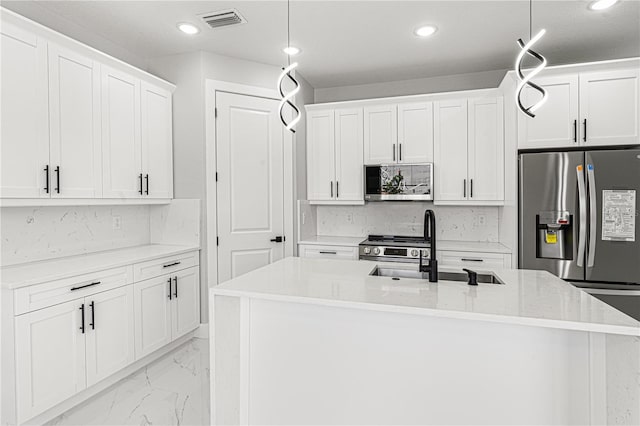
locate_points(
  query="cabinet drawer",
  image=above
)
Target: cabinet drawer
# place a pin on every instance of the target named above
(479, 260)
(328, 252)
(165, 265)
(40, 296)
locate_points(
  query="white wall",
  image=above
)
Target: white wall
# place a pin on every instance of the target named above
(448, 83)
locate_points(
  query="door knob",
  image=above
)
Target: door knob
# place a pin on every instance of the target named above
(277, 239)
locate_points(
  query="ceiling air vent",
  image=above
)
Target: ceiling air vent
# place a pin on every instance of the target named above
(222, 18)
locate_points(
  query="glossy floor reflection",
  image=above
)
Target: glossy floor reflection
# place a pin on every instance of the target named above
(174, 390)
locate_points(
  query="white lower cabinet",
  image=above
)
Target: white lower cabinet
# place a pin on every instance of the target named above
(314, 251)
(50, 357)
(167, 307)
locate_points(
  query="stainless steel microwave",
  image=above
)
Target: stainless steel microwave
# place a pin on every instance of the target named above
(398, 182)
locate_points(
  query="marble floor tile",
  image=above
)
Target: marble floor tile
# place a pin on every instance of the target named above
(173, 390)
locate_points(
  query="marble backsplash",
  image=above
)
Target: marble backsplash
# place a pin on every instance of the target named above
(39, 233)
(457, 223)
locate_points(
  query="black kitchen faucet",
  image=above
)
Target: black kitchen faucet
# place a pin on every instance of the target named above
(430, 235)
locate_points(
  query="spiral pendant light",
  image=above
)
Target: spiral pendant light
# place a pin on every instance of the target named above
(525, 80)
(286, 73)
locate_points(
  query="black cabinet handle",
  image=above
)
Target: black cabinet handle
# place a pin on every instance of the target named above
(585, 130)
(472, 260)
(46, 176)
(331, 189)
(175, 283)
(170, 264)
(147, 189)
(400, 152)
(471, 184)
(169, 281)
(57, 179)
(328, 252)
(394, 152)
(93, 315)
(575, 131)
(140, 177)
(82, 313)
(84, 286)
(464, 188)
(337, 189)
(277, 239)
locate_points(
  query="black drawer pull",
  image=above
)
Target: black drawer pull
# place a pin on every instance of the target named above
(472, 260)
(84, 286)
(328, 252)
(170, 264)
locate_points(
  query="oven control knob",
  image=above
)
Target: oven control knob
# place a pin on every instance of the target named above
(414, 253)
(367, 250)
(376, 251)
(424, 253)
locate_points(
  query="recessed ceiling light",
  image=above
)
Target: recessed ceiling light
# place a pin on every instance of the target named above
(426, 31)
(602, 4)
(188, 28)
(291, 50)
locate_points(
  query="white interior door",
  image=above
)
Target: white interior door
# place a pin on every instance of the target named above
(321, 155)
(486, 149)
(415, 132)
(110, 332)
(250, 187)
(74, 120)
(24, 152)
(121, 145)
(50, 357)
(157, 141)
(450, 150)
(610, 107)
(380, 134)
(349, 156)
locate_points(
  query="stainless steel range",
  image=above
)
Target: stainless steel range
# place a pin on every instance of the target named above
(392, 248)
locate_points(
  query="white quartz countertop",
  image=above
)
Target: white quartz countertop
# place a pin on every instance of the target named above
(26, 274)
(446, 245)
(535, 298)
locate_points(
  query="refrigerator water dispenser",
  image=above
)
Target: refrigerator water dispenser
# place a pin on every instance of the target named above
(554, 235)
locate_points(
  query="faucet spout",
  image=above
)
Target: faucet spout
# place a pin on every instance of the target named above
(430, 235)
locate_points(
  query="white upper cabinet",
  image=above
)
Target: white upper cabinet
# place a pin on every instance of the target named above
(334, 156)
(157, 139)
(320, 155)
(486, 149)
(24, 151)
(598, 108)
(556, 122)
(121, 139)
(415, 132)
(450, 129)
(380, 134)
(74, 123)
(609, 110)
(348, 149)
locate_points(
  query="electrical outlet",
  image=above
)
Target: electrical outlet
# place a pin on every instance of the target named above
(349, 217)
(116, 222)
(482, 220)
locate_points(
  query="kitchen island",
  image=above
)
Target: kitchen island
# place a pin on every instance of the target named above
(316, 341)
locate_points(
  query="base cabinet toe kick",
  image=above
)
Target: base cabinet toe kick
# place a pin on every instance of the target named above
(64, 339)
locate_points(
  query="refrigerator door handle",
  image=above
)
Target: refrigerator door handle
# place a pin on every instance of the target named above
(593, 218)
(582, 200)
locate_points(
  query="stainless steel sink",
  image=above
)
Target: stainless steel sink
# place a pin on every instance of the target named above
(483, 278)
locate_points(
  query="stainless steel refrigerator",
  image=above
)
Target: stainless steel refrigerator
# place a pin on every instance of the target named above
(579, 219)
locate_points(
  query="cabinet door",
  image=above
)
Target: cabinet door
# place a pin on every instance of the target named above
(121, 146)
(556, 122)
(109, 337)
(450, 149)
(157, 142)
(50, 358)
(24, 152)
(74, 120)
(152, 308)
(609, 110)
(320, 155)
(380, 134)
(486, 149)
(349, 155)
(186, 302)
(415, 132)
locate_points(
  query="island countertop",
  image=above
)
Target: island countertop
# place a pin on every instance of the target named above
(527, 297)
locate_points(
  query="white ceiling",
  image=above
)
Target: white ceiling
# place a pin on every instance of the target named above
(352, 42)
